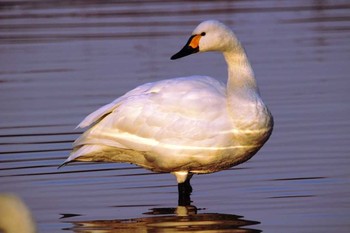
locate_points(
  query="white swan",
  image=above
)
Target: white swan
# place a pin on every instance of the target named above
(188, 125)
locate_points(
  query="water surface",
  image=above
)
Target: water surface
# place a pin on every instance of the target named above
(60, 60)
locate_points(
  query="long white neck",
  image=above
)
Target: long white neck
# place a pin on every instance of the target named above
(241, 81)
(242, 91)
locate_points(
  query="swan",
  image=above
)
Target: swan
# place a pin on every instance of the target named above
(186, 125)
(15, 217)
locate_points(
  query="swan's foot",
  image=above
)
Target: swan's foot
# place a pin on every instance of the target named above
(185, 191)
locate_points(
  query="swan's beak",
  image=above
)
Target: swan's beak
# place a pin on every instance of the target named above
(192, 46)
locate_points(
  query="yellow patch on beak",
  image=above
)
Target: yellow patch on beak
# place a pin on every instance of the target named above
(195, 41)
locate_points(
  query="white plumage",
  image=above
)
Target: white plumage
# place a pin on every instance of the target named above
(184, 125)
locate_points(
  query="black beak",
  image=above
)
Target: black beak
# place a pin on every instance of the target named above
(186, 50)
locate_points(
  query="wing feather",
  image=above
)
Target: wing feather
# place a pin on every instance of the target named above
(167, 112)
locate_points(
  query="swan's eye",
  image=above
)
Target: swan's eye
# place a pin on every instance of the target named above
(203, 34)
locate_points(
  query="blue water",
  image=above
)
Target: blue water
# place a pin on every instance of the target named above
(60, 61)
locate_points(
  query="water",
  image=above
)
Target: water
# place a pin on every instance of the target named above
(60, 60)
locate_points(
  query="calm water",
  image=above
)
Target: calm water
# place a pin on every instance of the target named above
(60, 60)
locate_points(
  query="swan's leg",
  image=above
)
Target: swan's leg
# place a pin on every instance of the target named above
(185, 191)
(184, 187)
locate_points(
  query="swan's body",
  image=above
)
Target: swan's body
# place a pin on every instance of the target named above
(186, 125)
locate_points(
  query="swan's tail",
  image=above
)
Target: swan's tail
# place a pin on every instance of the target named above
(78, 154)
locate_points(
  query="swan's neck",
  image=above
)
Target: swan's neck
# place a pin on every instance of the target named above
(249, 115)
(241, 79)
(243, 99)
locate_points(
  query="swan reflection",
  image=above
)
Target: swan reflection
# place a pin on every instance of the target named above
(179, 219)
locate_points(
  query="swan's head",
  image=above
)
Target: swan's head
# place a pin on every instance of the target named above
(210, 35)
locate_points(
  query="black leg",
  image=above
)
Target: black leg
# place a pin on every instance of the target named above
(185, 191)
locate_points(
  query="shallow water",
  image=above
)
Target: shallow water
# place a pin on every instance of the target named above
(60, 61)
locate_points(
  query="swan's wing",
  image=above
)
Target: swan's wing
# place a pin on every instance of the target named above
(174, 113)
(97, 115)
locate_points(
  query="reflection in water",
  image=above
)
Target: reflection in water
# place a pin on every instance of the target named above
(180, 219)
